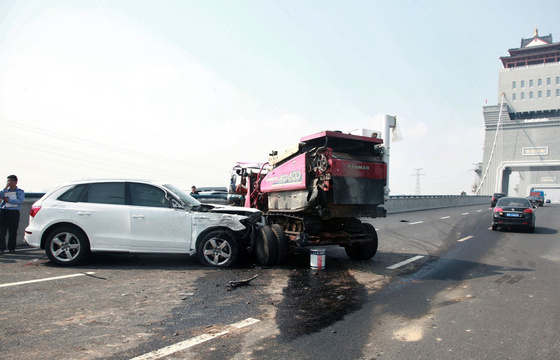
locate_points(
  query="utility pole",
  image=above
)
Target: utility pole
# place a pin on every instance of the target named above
(417, 180)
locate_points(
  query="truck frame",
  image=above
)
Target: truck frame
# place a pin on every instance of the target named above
(314, 194)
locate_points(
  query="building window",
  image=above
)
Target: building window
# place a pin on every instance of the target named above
(522, 96)
(531, 83)
(540, 82)
(530, 95)
(540, 94)
(547, 93)
(513, 96)
(513, 85)
(558, 80)
(557, 92)
(548, 81)
(522, 84)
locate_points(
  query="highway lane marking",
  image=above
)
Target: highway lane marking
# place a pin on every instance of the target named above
(414, 223)
(478, 210)
(465, 214)
(397, 265)
(45, 279)
(157, 354)
(445, 217)
(465, 238)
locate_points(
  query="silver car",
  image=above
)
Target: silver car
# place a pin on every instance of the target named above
(136, 216)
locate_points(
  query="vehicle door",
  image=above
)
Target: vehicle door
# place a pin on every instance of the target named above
(102, 213)
(157, 226)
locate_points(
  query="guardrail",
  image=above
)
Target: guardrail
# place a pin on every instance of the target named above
(406, 203)
(395, 204)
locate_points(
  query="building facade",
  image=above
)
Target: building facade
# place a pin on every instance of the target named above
(521, 145)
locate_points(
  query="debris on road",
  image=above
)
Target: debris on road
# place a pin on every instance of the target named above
(235, 283)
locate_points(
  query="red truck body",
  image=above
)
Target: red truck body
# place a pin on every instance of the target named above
(315, 192)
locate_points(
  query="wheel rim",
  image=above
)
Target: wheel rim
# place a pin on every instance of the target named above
(65, 247)
(217, 251)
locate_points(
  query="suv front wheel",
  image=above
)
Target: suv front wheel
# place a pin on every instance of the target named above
(217, 248)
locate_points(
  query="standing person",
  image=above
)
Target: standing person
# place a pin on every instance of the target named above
(12, 197)
(193, 190)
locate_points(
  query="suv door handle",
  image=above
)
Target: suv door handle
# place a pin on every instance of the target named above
(137, 216)
(84, 213)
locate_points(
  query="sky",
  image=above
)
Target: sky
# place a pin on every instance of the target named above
(179, 91)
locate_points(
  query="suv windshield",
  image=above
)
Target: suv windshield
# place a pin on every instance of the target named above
(187, 199)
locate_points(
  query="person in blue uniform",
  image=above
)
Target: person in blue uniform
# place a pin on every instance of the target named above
(12, 197)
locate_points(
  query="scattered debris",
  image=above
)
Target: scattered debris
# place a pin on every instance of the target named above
(185, 296)
(93, 276)
(37, 262)
(235, 283)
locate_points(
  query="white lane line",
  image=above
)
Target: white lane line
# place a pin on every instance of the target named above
(157, 354)
(445, 217)
(417, 222)
(45, 279)
(465, 238)
(465, 214)
(478, 210)
(393, 267)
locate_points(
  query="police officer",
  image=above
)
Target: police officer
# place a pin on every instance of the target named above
(12, 197)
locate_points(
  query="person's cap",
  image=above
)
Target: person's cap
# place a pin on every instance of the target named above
(12, 177)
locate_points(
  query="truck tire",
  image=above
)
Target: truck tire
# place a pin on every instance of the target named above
(266, 246)
(282, 244)
(366, 250)
(217, 248)
(352, 225)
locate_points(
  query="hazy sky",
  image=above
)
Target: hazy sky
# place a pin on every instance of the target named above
(181, 90)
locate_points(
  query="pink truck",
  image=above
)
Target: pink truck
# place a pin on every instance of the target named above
(314, 194)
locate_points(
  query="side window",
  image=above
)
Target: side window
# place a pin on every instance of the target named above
(147, 195)
(73, 194)
(106, 193)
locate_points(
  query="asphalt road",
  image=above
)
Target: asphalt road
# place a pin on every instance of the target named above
(443, 285)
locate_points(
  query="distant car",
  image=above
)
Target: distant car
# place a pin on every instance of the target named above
(514, 212)
(136, 216)
(211, 195)
(495, 198)
(548, 201)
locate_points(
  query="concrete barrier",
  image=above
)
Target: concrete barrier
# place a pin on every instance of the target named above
(394, 205)
(399, 204)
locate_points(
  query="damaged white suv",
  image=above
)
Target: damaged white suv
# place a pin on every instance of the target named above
(137, 216)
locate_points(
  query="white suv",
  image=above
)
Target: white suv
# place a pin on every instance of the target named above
(137, 216)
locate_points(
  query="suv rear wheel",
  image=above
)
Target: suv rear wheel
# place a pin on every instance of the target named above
(67, 246)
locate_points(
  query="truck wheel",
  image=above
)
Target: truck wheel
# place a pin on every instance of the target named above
(282, 244)
(366, 250)
(217, 248)
(67, 246)
(353, 225)
(266, 246)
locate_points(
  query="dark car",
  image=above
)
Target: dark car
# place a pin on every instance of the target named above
(514, 212)
(495, 198)
(211, 195)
